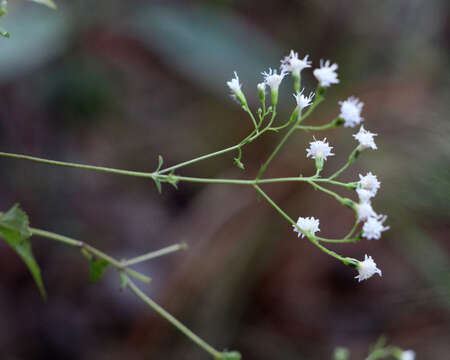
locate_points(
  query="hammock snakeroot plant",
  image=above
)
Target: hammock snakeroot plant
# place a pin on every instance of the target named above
(15, 229)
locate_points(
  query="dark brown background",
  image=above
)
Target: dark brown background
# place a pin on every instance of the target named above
(115, 83)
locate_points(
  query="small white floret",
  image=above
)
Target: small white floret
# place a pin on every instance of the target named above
(326, 74)
(273, 79)
(308, 225)
(293, 64)
(373, 227)
(408, 355)
(369, 182)
(367, 269)
(365, 138)
(234, 84)
(302, 100)
(319, 149)
(365, 211)
(351, 111)
(364, 195)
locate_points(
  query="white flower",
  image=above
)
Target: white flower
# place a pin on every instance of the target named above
(302, 100)
(351, 111)
(319, 149)
(293, 64)
(326, 74)
(308, 225)
(369, 182)
(365, 138)
(272, 79)
(233, 84)
(364, 195)
(365, 211)
(367, 268)
(373, 227)
(261, 87)
(408, 355)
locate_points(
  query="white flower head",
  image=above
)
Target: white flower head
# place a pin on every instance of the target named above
(326, 74)
(364, 195)
(273, 79)
(408, 355)
(302, 100)
(365, 138)
(369, 182)
(293, 64)
(261, 87)
(308, 225)
(351, 111)
(319, 149)
(365, 211)
(234, 84)
(367, 269)
(373, 227)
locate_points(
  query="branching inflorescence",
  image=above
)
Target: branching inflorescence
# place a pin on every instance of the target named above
(368, 224)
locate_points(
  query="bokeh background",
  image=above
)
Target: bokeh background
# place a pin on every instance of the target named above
(116, 83)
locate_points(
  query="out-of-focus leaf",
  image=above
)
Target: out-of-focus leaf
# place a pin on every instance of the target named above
(97, 268)
(206, 44)
(48, 3)
(39, 36)
(14, 229)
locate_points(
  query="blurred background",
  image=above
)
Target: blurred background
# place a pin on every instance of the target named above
(116, 83)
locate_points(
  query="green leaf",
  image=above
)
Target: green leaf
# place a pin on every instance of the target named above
(160, 162)
(4, 33)
(48, 3)
(97, 268)
(158, 185)
(14, 229)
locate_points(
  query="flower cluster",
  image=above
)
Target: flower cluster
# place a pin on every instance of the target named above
(371, 223)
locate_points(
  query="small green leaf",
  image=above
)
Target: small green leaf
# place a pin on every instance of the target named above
(48, 3)
(160, 162)
(158, 185)
(97, 268)
(4, 33)
(14, 229)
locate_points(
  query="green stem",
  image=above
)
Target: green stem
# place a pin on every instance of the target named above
(351, 159)
(300, 118)
(155, 254)
(343, 201)
(248, 111)
(175, 322)
(346, 239)
(289, 219)
(78, 166)
(176, 177)
(331, 125)
(94, 251)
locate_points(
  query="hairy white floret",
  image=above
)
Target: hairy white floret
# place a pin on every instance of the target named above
(364, 195)
(319, 149)
(367, 269)
(365, 138)
(326, 74)
(369, 182)
(308, 225)
(365, 211)
(293, 64)
(302, 100)
(408, 355)
(273, 79)
(351, 111)
(373, 227)
(234, 84)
